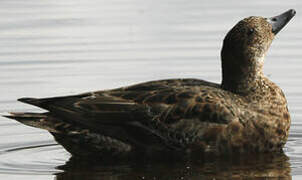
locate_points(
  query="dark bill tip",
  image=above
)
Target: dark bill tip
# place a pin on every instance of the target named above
(278, 22)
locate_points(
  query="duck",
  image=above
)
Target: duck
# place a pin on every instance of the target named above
(245, 113)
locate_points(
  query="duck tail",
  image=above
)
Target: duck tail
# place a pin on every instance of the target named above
(25, 117)
(38, 120)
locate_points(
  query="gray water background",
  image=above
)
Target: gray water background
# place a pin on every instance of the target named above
(52, 48)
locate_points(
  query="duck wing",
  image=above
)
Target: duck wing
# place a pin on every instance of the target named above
(168, 112)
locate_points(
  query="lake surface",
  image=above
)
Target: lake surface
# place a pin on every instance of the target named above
(51, 48)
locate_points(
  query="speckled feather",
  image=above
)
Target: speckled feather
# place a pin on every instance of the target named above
(246, 113)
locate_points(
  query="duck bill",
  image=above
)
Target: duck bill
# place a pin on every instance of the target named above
(278, 22)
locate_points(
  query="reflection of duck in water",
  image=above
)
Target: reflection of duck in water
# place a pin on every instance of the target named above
(246, 113)
(259, 166)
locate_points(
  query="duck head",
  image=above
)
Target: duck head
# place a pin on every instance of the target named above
(244, 49)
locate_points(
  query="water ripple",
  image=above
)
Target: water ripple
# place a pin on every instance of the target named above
(40, 158)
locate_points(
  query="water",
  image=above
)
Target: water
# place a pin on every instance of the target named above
(51, 48)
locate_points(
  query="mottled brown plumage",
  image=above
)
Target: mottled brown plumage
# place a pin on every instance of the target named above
(246, 113)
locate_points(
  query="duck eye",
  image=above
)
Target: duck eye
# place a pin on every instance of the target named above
(250, 31)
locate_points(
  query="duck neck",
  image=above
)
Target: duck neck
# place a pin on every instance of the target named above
(242, 79)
